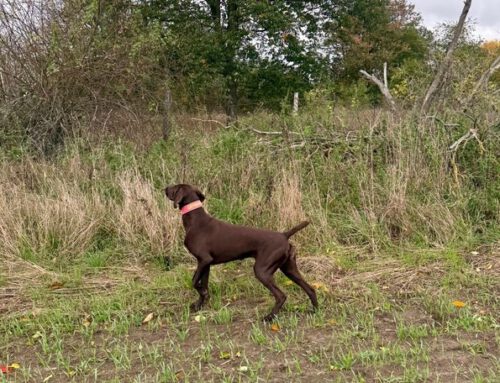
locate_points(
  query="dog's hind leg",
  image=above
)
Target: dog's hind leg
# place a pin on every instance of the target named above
(264, 274)
(289, 268)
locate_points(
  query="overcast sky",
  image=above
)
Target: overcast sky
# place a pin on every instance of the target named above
(485, 14)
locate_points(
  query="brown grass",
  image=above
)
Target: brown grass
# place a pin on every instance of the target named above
(140, 217)
(45, 211)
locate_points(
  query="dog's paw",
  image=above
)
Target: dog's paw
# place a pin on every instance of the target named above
(197, 285)
(194, 307)
(269, 318)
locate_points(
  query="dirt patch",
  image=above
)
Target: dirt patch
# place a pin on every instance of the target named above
(417, 316)
(485, 260)
(385, 326)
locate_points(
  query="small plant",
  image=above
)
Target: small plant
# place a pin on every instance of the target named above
(257, 335)
(343, 361)
(412, 332)
(223, 316)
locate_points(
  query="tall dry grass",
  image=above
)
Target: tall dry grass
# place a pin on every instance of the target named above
(370, 181)
(48, 213)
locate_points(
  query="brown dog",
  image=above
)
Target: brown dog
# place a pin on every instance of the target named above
(213, 242)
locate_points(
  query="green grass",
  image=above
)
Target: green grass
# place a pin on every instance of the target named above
(82, 335)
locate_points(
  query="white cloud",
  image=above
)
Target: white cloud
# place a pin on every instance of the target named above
(484, 13)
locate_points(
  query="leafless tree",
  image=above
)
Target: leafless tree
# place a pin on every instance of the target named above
(445, 65)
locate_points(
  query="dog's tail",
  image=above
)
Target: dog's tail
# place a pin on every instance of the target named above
(295, 229)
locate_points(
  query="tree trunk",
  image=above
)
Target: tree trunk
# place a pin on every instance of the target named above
(166, 125)
(231, 46)
(215, 13)
(438, 81)
(232, 101)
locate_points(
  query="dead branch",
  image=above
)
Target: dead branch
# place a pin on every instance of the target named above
(271, 133)
(214, 121)
(386, 83)
(317, 142)
(444, 68)
(383, 88)
(482, 83)
(471, 134)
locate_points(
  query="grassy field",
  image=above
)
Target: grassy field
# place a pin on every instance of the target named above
(403, 250)
(383, 320)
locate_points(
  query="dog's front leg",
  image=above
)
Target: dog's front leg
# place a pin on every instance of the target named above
(202, 288)
(202, 264)
(200, 281)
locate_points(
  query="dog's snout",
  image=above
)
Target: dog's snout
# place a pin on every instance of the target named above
(167, 191)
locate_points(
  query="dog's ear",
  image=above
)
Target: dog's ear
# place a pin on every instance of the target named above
(178, 196)
(200, 195)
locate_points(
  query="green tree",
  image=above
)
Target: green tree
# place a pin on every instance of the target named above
(371, 32)
(243, 49)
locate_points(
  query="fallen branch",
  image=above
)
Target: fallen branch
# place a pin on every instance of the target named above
(217, 122)
(471, 134)
(265, 132)
(383, 88)
(316, 141)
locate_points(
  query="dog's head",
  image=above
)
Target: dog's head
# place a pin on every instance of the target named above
(182, 194)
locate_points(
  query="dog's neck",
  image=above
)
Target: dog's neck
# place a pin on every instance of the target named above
(193, 214)
(191, 206)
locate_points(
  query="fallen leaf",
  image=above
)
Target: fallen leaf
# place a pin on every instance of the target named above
(36, 311)
(458, 304)
(148, 318)
(319, 286)
(15, 366)
(56, 285)
(243, 368)
(224, 355)
(275, 327)
(87, 320)
(238, 354)
(198, 318)
(37, 335)
(5, 369)
(332, 322)
(288, 283)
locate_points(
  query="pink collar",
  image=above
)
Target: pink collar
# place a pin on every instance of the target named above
(191, 206)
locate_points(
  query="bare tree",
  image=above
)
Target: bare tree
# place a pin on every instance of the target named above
(382, 86)
(444, 68)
